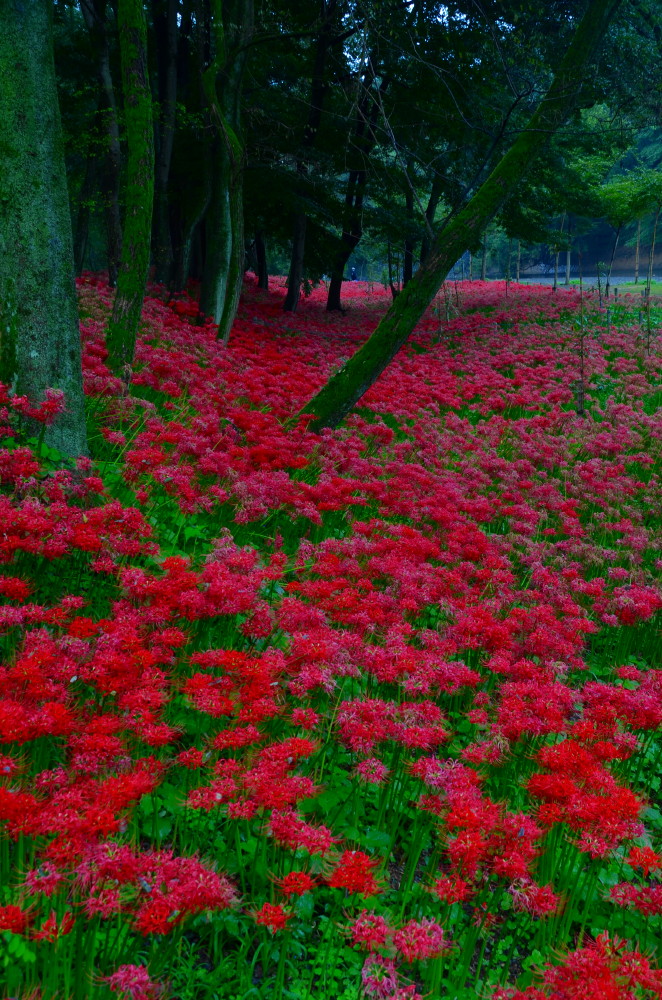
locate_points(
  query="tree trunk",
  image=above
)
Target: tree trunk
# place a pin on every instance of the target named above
(134, 266)
(165, 23)
(37, 291)
(82, 227)
(408, 256)
(430, 212)
(519, 261)
(347, 386)
(94, 14)
(637, 252)
(483, 260)
(611, 261)
(224, 223)
(651, 252)
(361, 145)
(295, 277)
(261, 259)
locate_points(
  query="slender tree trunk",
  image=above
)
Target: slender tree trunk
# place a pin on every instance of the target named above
(295, 277)
(483, 261)
(134, 267)
(39, 334)
(611, 260)
(651, 252)
(224, 223)
(94, 14)
(165, 23)
(361, 145)
(82, 228)
(326, 40)
(637, 252)
(408, 256)
(346, 387)
(261, 258)
(430, 212)
(518, 261)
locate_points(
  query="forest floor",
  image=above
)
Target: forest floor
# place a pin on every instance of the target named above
(371, 713)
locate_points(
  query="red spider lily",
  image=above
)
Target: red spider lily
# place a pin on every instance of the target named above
(369, 931)
(15, 919)
(295, 883)
(272, 915)
(52, 930)
(134, 982)
(419, 940)
(354, 871)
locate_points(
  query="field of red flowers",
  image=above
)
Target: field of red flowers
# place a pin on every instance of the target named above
(367, 714)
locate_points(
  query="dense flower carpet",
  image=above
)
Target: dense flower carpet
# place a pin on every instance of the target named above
(372, 713)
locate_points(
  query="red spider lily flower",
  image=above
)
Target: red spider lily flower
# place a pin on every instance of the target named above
(418, 940)
(369, 931)
(379, 976)
(45, 879)
(295, 883)
(372, 771)
(272, 915)
(134, 983)
(354, 872)
(14, 919)
(646, 859)
(51, 930)
(451, 889)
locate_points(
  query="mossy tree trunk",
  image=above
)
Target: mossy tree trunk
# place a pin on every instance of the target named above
(37, 292)
(134, 265)
(347, 386)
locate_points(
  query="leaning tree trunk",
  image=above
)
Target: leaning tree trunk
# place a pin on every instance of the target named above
(134, 266)
(40, 339)
(346, 387)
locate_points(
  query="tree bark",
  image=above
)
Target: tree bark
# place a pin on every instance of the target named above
(134, 266)
(637, 253)
(37, 291)
(347, 386)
